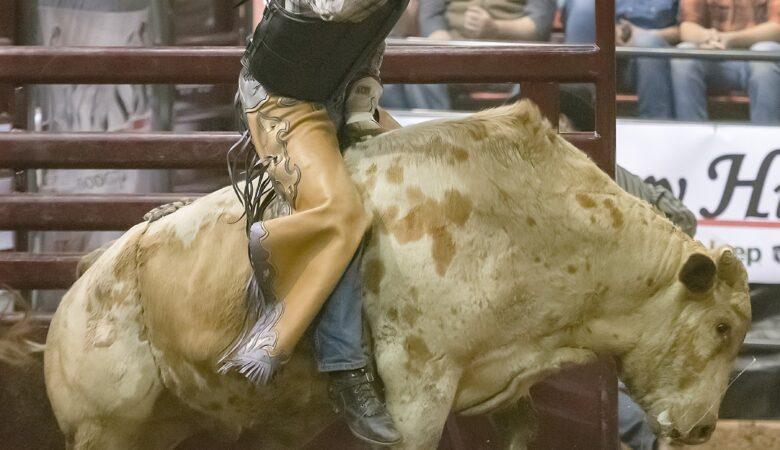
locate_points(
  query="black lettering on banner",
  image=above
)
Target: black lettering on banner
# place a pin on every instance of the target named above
(777, 191)
(749, 255)
(776, 250)
(733, 182)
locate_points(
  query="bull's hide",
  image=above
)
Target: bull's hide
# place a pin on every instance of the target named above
(499, 253)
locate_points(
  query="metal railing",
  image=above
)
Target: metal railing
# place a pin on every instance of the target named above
(720, 55)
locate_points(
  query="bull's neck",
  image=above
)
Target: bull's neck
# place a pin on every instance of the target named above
(642, 261)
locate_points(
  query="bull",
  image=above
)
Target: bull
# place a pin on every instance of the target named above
(499, 255)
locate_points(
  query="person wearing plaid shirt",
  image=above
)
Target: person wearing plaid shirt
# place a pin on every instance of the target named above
(728, 24)
(310, 79)
(640, 23)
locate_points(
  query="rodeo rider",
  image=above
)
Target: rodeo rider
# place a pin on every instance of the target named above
(310, 76)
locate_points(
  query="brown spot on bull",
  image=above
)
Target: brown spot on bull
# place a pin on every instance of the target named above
(614, 212)
(457, 208)
(443, 251)
(373, 272)
(387, 218)
(460, 154)
(476, 131)
(371, 170)
(411, 227)
(432, 218)
(571, 269)
(410, 314)
(417, 353)
(392, 314)
(369, 184)
(415, 194)
(585, 200)
(531, 222)
(395, 174)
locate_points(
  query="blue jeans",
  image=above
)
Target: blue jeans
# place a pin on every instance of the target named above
(632, 424)
(338, 329)
(651, 77)
(693, 79)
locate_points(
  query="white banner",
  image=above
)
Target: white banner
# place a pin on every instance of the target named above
(728, 175)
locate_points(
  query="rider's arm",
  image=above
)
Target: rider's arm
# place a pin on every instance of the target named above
(660, 197)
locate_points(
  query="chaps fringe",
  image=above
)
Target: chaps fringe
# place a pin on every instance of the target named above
(249, 352)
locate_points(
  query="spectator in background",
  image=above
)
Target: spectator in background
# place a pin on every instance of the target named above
(505, 20)
(737, 24)
(413, 96)
(640, 23)
(496, 20)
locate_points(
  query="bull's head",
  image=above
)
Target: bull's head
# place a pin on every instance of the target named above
(691, 333)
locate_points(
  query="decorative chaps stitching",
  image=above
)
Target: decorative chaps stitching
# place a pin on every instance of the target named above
(251, 351)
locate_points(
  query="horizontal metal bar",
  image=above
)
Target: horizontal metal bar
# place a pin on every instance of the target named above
(735, 55)
(78, 212)
(143, 151)
(402, 64)
(99, 212)
(114, 150)
(37, 270)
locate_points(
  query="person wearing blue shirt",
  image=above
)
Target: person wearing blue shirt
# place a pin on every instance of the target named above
(639, 23)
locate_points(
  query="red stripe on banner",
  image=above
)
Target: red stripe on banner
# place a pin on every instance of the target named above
(739, 223)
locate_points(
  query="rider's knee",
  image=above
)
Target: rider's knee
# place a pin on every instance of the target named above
(347, 216)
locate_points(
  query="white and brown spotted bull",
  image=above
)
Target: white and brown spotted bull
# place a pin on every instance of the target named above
(499, 254)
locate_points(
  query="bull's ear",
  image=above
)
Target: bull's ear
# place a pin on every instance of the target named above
(730, 268)
(698, 273)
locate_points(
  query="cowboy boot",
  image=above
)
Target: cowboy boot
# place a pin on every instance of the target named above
(360, 108)
(354, 396)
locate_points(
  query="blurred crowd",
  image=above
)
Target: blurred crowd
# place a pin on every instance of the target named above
(666, 88)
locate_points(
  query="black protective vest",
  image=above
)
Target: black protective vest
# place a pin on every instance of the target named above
(312, 59)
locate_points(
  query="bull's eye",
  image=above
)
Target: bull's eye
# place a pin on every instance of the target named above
(723, 328)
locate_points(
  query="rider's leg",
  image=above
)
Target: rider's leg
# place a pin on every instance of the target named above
(338, 332)
(311, 248)
(339, 350)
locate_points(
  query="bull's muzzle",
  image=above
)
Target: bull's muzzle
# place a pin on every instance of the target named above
(698, 435)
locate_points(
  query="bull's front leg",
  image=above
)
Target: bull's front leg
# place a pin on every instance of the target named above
(419, 393)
